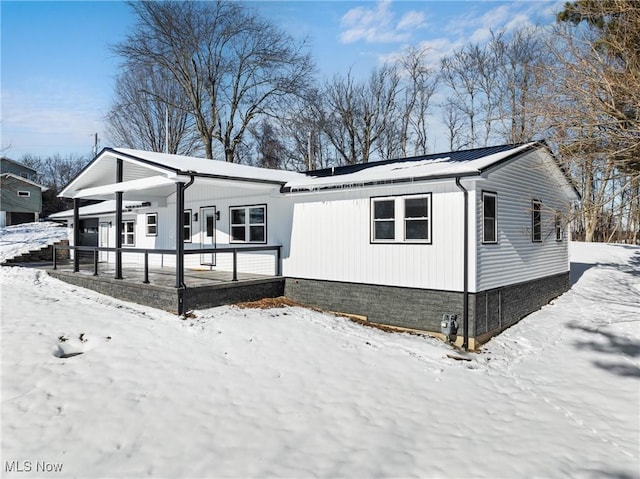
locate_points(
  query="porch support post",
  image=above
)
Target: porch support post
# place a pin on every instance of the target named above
(118, 221)
(179, 235)
(76, 234)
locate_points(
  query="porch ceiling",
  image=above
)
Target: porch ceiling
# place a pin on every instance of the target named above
(154, 186)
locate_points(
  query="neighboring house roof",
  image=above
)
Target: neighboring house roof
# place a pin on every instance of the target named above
(24, 180)
(4, 158)
(102, 208)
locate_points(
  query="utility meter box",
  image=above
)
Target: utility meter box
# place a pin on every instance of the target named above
(449, 325)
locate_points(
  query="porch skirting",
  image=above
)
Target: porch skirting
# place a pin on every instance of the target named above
(177, 299)
(416, 309)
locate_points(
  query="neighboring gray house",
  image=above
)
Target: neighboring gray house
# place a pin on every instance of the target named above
(21, 195)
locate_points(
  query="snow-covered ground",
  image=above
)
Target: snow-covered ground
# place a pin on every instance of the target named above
(295, 393)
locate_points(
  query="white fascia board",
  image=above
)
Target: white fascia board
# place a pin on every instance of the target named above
(133, 185)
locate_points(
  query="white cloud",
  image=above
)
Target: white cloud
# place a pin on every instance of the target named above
(51, 119)
(378, 24)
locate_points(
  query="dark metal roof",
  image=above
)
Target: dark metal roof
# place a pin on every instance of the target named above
(454, 156)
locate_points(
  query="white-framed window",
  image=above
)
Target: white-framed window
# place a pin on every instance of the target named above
(384, 219)
(489, 217)
(128, 233)
(152, 224)
(24, 194)
(248, 224)
(536, 221)
(558, 226)
(186, 225)
(401, 219)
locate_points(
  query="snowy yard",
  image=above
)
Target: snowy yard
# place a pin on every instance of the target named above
(295, 393)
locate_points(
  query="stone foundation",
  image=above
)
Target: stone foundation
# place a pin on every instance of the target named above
(421, 309)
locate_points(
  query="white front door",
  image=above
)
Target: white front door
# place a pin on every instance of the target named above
(103, 241)
(208, 234)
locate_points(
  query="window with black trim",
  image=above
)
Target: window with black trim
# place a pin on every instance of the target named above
(152, 224)
(401, 219)
(128, 233)
(558, 226)
(536, 221)
(489, 217)
(248, 224)
(186, 225)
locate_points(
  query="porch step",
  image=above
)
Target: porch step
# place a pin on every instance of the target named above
(43, 254)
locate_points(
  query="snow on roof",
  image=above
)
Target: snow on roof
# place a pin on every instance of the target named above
(25, 180)
(201, 166)
(97, 209)
(445, 166)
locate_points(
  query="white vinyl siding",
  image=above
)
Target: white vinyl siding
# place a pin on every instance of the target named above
(331, 238)
(517, 258)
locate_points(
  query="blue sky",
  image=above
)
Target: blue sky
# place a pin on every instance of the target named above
(57, 71)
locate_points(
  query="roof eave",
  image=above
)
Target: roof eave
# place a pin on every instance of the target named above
(394, 181)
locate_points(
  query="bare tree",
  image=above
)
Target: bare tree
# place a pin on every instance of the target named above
(422, 86)
(232, 65)
(150, 112)
(55, 172)
(358, 113)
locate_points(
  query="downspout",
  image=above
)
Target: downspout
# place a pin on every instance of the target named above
(465, 267)
(180, 284)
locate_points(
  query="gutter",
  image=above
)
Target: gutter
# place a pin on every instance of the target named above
(180, 249)
(465, 266)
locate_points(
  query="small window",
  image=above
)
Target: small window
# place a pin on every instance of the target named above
(128, 233)
(536, 221)
(489, 218)
(384, 220)
(152, 224)
(248, 224)
(186, 225)
(24, 194)
(558, 226)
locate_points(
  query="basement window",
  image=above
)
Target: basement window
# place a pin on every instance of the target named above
(24, 194)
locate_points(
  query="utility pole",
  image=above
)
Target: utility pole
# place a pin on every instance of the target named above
(166, 129)
(95, 145)
(309, 151)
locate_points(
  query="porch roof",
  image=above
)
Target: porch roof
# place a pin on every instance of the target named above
(154, 174)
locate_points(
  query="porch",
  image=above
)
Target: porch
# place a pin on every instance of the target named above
(161, 286)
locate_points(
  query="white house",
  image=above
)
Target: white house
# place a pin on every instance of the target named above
(481, 234)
